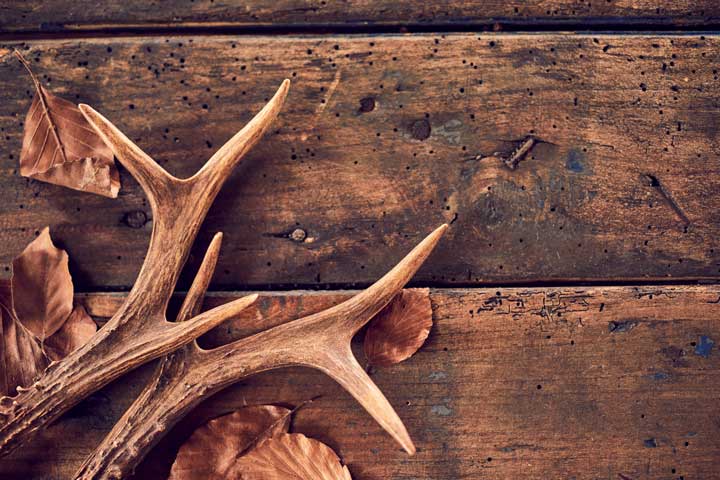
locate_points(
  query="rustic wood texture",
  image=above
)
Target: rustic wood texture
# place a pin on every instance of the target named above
(384, 137)
(65, 15)
(615, 382)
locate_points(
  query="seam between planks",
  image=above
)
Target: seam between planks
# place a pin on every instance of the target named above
(69, 31)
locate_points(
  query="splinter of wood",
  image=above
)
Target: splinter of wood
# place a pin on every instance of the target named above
(190, 374)
(139, 331)
(519, 154)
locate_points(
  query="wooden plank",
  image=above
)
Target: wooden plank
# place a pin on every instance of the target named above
(614, 382)
(40, 16)
(385, 137)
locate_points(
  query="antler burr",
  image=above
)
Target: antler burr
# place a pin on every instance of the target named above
(139, 331)
(320, 341)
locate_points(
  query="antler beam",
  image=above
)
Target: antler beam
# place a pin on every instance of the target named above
(320, 341)
(139, 331)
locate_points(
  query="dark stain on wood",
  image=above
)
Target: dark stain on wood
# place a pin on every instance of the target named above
(622, 326)
(367, 104)
(135, 219)
(420, 129)
(575, 161)
(704, 346)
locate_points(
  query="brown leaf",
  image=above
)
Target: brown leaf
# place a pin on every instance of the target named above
(42, 287)
(37, 321)
(60, 146)
(21, 357)
(75, 332)
(400, 329)
(212, 449)
(290, 456)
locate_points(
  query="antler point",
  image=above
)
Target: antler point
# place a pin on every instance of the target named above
(86, 109)
(410, 448)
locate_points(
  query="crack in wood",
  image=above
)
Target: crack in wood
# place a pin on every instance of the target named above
(652, 181)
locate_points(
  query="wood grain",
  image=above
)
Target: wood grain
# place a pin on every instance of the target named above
(615, 382)
(65, 15)
(384, 137)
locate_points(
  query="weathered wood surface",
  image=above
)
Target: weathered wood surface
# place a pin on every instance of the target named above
(616, 383)
(384, 137)
(66, 15)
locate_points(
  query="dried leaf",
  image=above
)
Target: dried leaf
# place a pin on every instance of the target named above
(290, 456)
(42, 287)
(213, 449)
(400, 329)
(37, 321)
(21, 357)
(60, 146)
(75, 332)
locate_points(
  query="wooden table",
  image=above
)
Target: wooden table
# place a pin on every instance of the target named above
(574, 297)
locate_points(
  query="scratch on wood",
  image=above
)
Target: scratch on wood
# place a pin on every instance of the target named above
(652, 181)
(330, 92)
(323, 105)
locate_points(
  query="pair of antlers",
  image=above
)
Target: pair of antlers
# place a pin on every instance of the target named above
(139, 330)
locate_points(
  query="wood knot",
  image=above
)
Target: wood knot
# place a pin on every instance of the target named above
(420, 129)
(135, 219)
(298, 235)
(650, 180)
(367, 104)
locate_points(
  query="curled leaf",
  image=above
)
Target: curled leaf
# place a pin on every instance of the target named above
(21, 356)
(399, 329)
(290, 456)
(212, 450)
(42, 288)
(60, 147)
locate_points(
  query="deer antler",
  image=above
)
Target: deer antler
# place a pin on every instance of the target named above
(139, 331)
(320, 341)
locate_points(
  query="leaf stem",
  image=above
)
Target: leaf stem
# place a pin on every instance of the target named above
(262, 436)
(27, 67)
(43, 101)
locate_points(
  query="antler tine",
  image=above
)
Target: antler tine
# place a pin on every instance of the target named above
(344, 320)
(152, 176)
(358, 310)
(225, 159)
(318, 341)
(183, 332)
(193, 300)
(170, 367)
(146, 171)
(345, 369)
